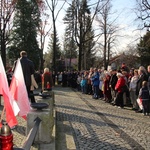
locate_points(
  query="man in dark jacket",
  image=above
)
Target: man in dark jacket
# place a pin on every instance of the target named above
(28, 70)
(112, 84)
(142, 77)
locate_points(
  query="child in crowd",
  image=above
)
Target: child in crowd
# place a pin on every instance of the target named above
(145, 96)
(83, 85)
(78, 82)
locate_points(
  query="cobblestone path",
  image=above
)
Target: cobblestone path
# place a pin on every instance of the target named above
(97, 125)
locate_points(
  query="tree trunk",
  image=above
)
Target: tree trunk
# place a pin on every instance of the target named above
(105, 44)
(80, 57)
(41, 59)
(54, 48)
(3, 51)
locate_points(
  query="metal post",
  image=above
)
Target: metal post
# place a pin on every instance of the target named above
(30, 138)
(32, 134)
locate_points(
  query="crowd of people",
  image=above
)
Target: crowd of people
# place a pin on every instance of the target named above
(122, 87)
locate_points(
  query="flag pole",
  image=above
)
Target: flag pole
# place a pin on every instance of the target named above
(2, 114)
(0, 98)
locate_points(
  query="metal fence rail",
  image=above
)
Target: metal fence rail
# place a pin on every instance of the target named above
(30, 138)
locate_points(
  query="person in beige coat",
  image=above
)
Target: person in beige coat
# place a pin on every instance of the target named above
(34, 86)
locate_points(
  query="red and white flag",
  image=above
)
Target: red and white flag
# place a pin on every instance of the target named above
(10, 105)
(19, 91)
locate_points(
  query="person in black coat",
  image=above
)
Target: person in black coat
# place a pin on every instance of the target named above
(142, 77)
(28, 70)
(112, 84)
(145, 96)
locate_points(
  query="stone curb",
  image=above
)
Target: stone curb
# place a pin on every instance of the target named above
(50, 146)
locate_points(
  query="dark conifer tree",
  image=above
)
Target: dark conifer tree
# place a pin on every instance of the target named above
(89, 51)
(24, 34)
(144, 49)
(70, 47)
(78, 20)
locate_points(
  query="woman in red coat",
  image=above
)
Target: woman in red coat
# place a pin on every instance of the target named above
(119, 88)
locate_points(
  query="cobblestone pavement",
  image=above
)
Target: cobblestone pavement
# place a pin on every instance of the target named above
(97, 125)
(92, 124)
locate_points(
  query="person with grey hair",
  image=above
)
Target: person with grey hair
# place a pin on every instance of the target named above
(119, 89)
(142, 77)
(47, 80)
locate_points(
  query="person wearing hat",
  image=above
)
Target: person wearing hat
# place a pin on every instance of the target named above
(119, 89)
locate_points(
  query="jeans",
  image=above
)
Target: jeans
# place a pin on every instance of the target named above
(96, 91)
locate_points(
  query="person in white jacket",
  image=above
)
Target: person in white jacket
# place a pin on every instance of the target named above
(132, 89)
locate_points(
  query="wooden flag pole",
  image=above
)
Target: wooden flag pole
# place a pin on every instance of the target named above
(0, 98)
(2, 115)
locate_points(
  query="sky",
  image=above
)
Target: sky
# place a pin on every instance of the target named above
(125, 13)
(127, 17)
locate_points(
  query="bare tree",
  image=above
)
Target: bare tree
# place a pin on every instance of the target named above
(7, 8)
(143, 12)
(108, 29)
(43, 32)
(52, 8)
(81, 28)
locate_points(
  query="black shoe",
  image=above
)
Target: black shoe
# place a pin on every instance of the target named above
(113, 103)
(96, 98)
(139, 111)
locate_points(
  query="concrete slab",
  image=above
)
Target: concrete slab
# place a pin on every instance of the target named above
(64, 136)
